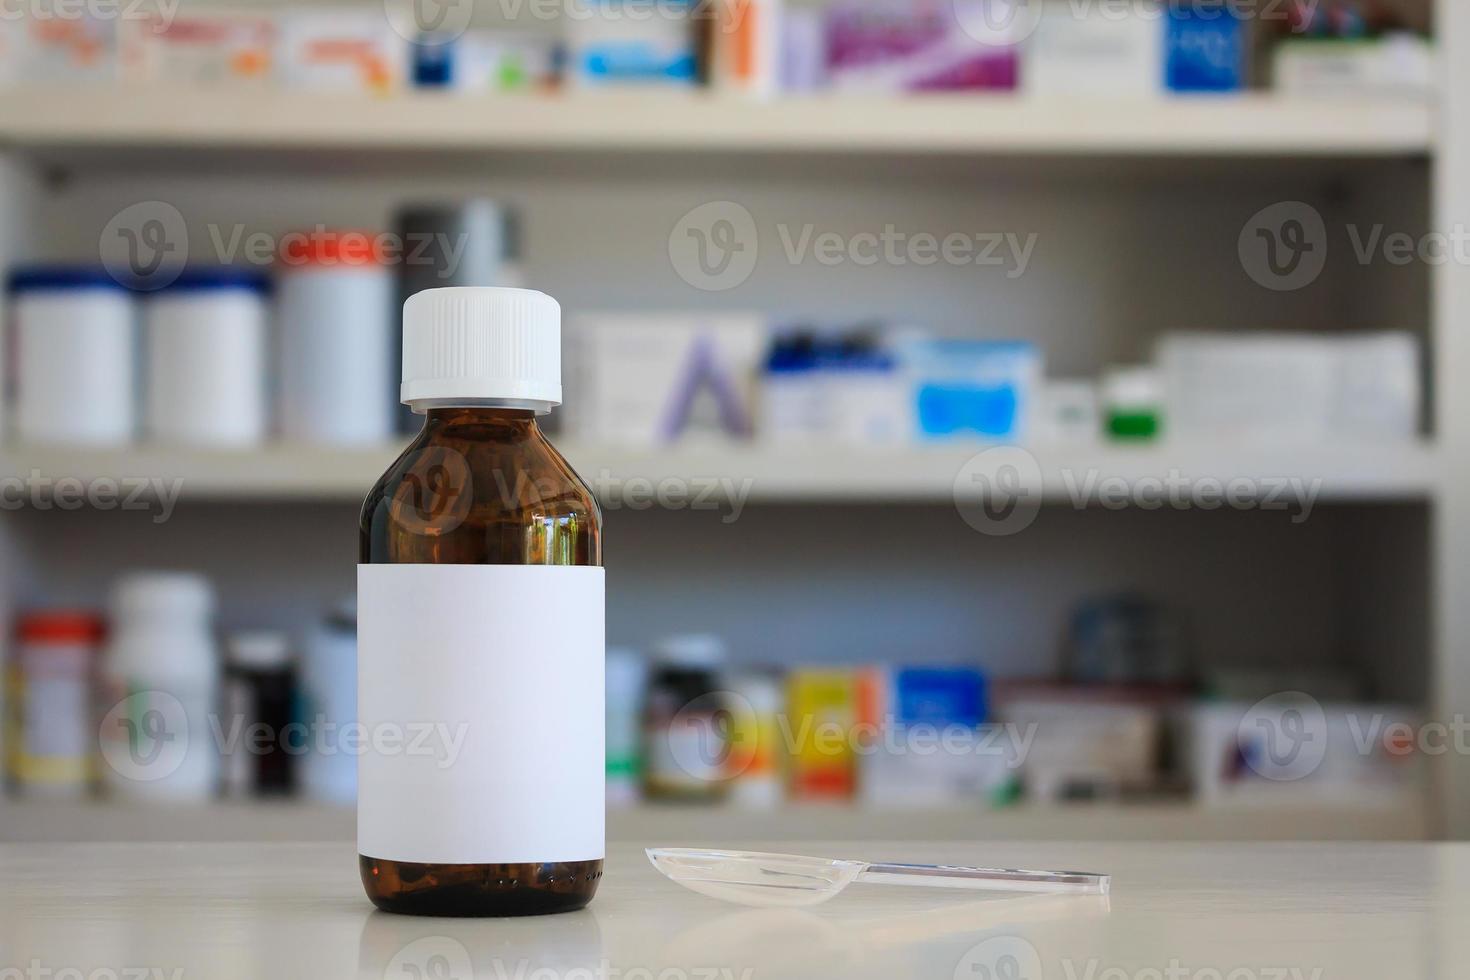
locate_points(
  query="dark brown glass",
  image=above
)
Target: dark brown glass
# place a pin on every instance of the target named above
(480, 486)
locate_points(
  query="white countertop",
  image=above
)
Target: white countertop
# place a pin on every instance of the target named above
(1177, 912)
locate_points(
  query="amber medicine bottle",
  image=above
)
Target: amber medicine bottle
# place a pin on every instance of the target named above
(480, 629)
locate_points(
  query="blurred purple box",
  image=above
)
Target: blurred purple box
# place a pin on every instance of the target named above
(894, 46)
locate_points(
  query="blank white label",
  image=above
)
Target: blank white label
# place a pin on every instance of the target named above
(480, 696)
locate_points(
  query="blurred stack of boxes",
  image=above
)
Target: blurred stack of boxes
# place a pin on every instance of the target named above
(658, 379)
(1128, 717)
(747, 47)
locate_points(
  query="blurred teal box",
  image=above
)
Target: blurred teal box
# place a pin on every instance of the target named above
(978, 389)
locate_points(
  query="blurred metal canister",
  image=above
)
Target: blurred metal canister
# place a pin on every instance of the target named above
(475, 242)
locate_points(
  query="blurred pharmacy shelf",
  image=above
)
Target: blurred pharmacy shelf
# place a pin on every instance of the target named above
(1235, 126)
(1081, 474)
(39, 822)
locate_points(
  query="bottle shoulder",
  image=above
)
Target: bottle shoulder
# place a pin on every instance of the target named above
(460, 496)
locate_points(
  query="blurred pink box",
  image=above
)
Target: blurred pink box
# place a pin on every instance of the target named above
(951, 45)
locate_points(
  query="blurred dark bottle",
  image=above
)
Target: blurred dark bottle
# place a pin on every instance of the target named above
(260, 747)
(475, 242)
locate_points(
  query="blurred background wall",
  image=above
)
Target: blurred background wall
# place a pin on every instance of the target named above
(1190, 245)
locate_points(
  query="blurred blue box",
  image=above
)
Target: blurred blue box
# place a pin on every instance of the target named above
(970, 388)
(939, 696)
(1205, 48)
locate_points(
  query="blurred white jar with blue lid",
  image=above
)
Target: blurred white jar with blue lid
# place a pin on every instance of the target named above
(205, 377)
(75, 356)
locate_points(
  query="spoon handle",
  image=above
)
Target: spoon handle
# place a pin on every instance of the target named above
(989, 879)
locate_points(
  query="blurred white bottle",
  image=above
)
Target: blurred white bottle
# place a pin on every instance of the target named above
(160, 685)
(335, 307)
(205, 340)
(328, 772)
(756, 703)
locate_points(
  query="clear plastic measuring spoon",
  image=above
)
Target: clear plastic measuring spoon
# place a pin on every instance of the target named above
(756, 878)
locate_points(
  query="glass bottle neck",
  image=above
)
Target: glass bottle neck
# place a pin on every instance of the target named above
(484, 423)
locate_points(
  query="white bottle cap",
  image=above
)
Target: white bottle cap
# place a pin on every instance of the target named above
(259, 650)
(691, 651)
(162, 595)
(481, 345)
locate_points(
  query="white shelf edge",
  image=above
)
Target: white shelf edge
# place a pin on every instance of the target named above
(1078, 475)
(1227, 126)
(42, 822)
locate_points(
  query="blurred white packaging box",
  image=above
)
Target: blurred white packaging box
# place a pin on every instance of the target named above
(340, 50)
(46, 47)
(1289, 749)
(648, 379)
(499, 61)
(1290, 388)
(1378, 387)
(1078, 742)
(1100, 49)
(912, 773)
(856, 398)
(870, 406)
(1069, 411)
(205, 48)
(1395, 64)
